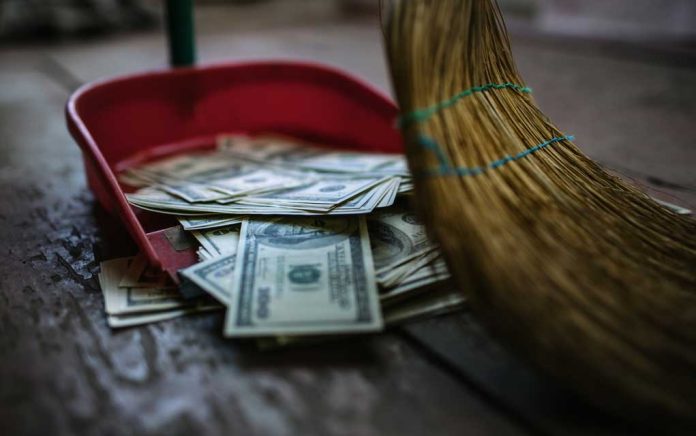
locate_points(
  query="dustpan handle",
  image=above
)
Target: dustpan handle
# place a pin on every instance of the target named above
(182, 47)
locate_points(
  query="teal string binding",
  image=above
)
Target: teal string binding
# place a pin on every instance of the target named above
(446, 169)
(420, 115)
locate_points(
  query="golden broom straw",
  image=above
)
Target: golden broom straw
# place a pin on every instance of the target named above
(584, 274)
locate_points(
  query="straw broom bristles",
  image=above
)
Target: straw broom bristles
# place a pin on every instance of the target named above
(584, 274)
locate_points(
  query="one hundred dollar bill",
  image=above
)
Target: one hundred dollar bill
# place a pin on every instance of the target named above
(208, 222)
(312, 275)
(213, 276)
(203, 254)
(396, 235)
(396, 275)
(218, 241)
(434, 304)
(131, 320)
(414, 287)
(290, 152)
(141, 275)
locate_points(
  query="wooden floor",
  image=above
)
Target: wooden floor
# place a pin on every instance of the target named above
(64, 372)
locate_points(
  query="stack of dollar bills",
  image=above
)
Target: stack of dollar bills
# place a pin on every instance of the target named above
(268, 176)
(294, 240)
(136, 294)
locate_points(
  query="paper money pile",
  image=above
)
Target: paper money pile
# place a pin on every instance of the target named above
(268, 176)
(294, 240)
(136, 294)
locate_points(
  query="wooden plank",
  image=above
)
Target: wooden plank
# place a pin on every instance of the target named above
(459, 343)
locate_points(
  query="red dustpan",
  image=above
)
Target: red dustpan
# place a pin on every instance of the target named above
(123, 121)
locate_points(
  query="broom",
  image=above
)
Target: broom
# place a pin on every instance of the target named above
(580, 272)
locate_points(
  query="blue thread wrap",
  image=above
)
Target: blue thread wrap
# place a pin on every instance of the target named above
(446, 169)
(420, 115)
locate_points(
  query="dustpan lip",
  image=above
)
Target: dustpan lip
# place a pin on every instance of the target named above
(224, 65)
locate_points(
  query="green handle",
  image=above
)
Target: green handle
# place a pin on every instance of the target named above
(182, 47)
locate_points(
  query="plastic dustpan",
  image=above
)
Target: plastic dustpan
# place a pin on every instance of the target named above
(123, 121)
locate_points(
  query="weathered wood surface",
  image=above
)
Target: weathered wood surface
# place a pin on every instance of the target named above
(63, 371)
